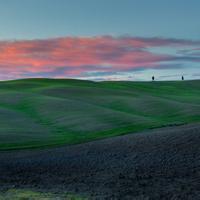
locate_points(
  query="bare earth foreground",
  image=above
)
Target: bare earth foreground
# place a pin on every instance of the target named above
(158, 164)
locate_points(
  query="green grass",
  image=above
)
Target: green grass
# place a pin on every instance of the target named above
(24, 194)
(47, 112)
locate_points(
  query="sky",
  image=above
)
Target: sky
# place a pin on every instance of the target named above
(100, 39)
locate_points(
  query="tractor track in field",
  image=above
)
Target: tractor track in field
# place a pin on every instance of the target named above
(157, 164)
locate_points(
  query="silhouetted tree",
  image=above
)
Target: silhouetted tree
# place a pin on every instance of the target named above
(182, 78)
(153, 78)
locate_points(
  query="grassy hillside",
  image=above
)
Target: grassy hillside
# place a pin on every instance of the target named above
(15, 194)
(46, 112)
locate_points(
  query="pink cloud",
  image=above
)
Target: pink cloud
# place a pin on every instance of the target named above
(83, 54)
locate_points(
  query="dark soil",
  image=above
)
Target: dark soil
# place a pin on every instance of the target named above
(159, 164)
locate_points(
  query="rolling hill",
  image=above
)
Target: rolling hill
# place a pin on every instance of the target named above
(47, 112)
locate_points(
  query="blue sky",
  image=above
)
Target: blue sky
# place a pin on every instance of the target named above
(25, 19)
(44, 20)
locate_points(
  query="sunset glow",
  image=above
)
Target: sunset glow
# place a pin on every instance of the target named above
(80, 56)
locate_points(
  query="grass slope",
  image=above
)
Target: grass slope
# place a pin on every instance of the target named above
(46, 112)
(14, 194)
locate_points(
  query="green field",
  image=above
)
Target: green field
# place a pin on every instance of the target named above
(47, 112)
(26, 194)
